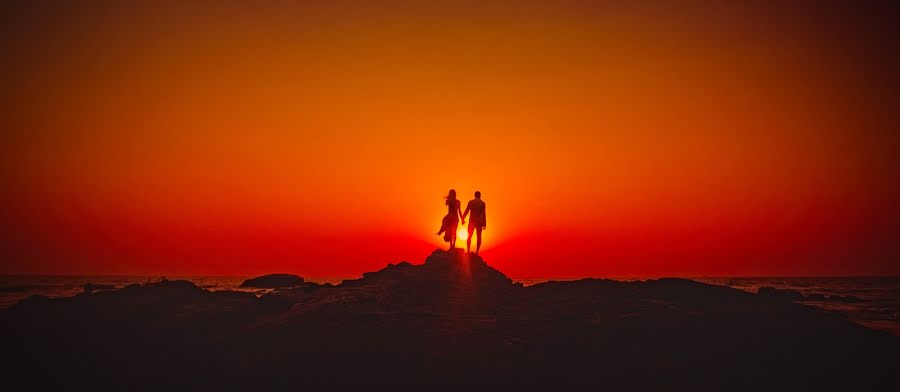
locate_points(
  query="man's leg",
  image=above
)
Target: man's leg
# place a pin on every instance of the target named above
(469, 240)
(478, 244)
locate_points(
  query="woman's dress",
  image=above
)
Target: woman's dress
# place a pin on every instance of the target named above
(450, 221)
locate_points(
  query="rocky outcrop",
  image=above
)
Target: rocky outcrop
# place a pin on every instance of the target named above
(844, 298)
(796, 296)
(273, 281)
(451, 322)
(92, 287)
(781, 294)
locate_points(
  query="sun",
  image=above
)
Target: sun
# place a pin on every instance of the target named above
(461, 233)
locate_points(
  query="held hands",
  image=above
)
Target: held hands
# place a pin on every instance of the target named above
(462, 222)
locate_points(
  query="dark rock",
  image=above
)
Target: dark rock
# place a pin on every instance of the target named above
(91, 287)
(780, 294)
(35, 300)
(815, 297)
(273, 281)
(174, 284)
(845, 298)
(452, 322)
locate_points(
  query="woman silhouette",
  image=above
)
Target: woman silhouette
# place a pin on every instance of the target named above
(451, 220)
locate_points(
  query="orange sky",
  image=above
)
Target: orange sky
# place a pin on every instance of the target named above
(608, 138)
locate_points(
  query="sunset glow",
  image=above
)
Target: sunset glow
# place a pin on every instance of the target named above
(613, 140)
(462, 234)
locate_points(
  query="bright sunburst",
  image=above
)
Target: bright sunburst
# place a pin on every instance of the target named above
(461, 233)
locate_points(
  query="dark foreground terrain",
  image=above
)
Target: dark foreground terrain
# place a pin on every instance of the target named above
(451, 322)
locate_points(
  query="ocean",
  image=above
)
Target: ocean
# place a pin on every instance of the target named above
(878, 304)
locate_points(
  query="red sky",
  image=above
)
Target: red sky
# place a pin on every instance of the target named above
(608, 138)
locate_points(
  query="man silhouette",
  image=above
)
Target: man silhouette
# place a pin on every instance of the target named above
(477, 222)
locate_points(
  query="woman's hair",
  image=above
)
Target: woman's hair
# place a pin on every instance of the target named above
(450, 196)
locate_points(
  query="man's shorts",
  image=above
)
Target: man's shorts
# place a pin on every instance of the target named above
(475, 226)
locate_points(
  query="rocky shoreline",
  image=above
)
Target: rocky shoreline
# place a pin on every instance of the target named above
(451, 322)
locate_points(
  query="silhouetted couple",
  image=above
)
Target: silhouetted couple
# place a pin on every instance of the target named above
(477, 222)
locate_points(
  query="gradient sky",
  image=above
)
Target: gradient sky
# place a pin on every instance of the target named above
(608, 138)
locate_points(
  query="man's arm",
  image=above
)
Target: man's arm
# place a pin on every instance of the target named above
(468, 207)
(484, 216)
